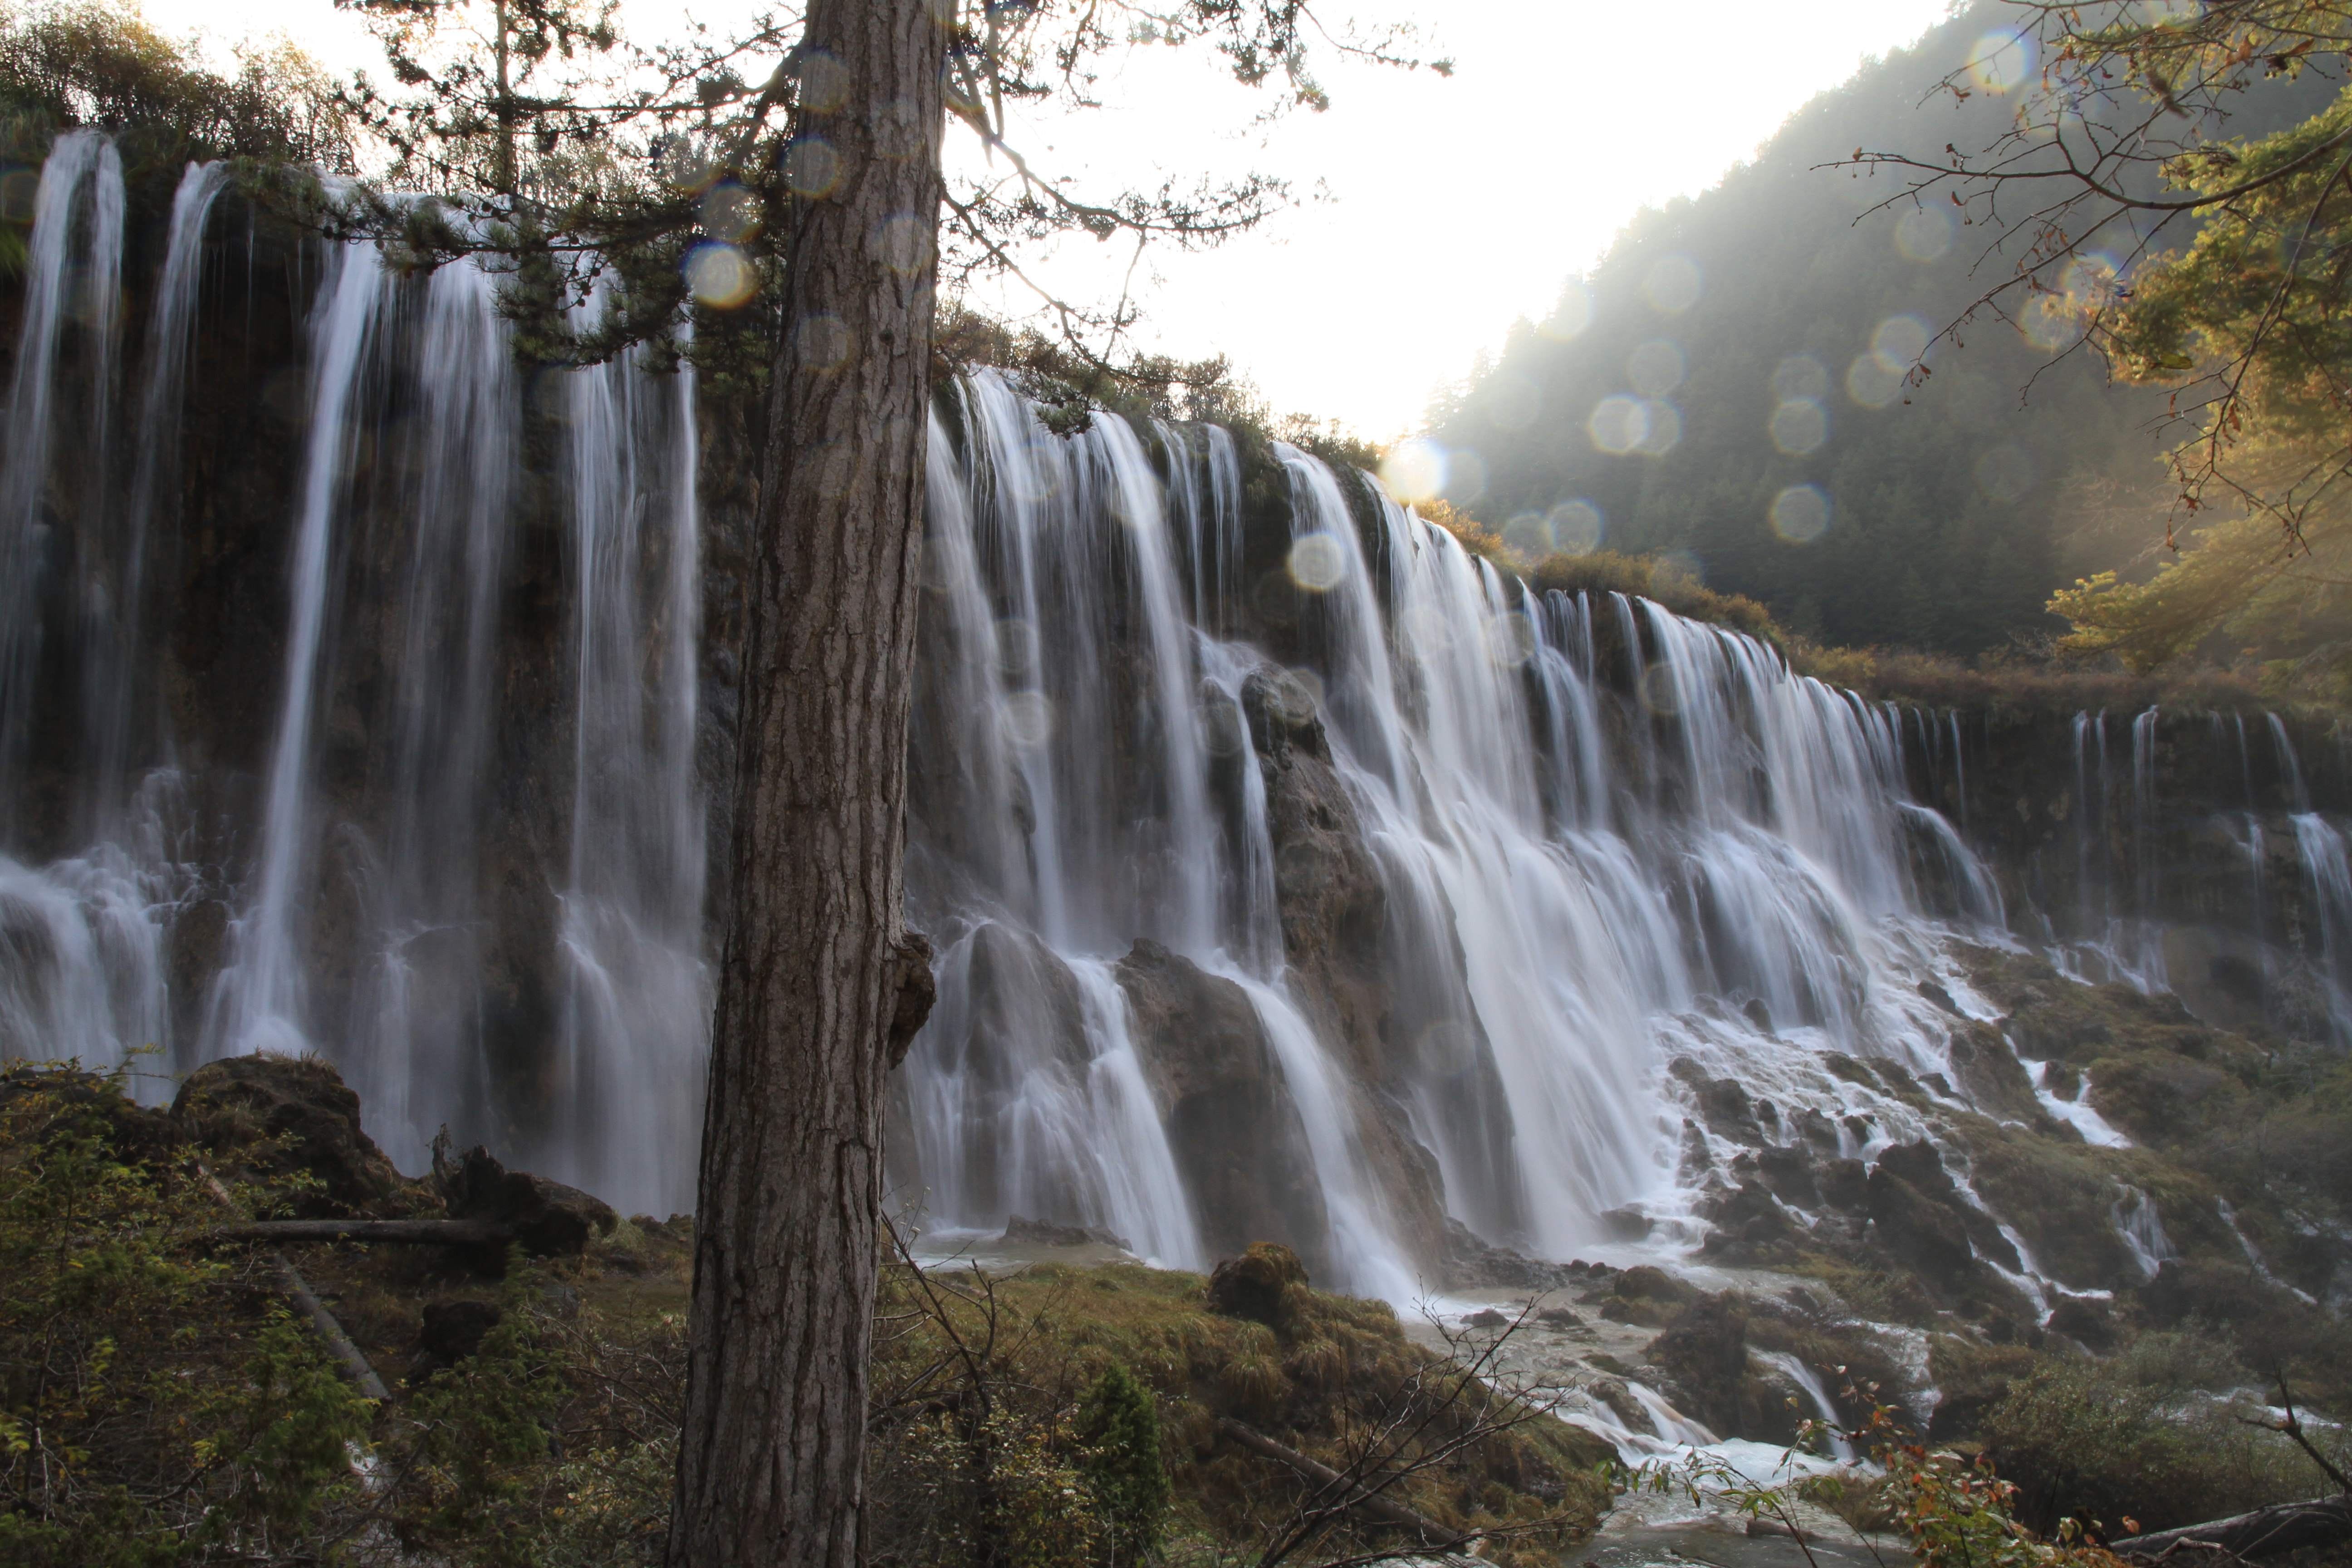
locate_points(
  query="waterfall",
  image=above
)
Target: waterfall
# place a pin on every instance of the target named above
(73, 279)
(2328, 870)
(1832, 1425)
(2133, 1215)
(1294, 872)
(637, 987)
(86, 970)
(259, 1002)
(413, 1035)
(117, 723)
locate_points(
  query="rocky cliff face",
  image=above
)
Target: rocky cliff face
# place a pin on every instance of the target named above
(2167, 838)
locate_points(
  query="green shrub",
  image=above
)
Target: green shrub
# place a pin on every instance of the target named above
(482, 1432)
(2139, 1435)
(144, 1418)
(1118, 1429)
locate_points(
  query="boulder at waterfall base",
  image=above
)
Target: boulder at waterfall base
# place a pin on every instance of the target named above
(279, 1117)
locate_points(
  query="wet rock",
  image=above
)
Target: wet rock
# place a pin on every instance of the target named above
(2059, 1197)
(1021, 1028)
(1558, 1318)
(1749, 1222)
(269, 1117)
(550, 1219)
(1788, 1172)
(1231, 1123)
(1921, 1168)
(1990, 1077)
(1844, 1185)
(1621, 1403)
(195, 949)
(1817, 1132)
(1020, 1232)
(1627, 1224)
(1334, 911)
(1647, 1296)
(1328, 887)
(1723, 1102)
(1471, 1263)
(1487, 1318)
(1916, 1227)
(1705, 1351)
(1252, 1285)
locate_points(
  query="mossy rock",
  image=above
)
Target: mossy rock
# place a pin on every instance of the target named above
(1253, 1285)
(2161, 1096)
(1973, 1378)
(289, 1120)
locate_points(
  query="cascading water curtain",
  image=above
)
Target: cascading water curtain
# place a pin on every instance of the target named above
(1294, 873)
(1554, 927)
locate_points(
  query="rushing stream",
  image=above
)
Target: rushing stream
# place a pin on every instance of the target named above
(1578, 838)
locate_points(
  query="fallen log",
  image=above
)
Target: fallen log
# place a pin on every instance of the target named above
(413, 1232)
(354, 1361)
(2266, 1533)
(1432, 1534)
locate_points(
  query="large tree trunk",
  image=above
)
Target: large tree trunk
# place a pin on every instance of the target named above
(820, 986)
(2266, 1533)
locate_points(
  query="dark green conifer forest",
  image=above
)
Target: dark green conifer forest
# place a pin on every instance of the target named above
(1954, 506)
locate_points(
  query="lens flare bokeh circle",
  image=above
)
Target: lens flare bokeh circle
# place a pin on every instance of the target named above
(2002, 61)
(1871, 383)
(1510, 640)
(1655, 368)
(1900, 341)
(1317, 563)
(1576, 527)
(1619, 424)
(729, 211)
(1528, 536)
(1025, 719)
(1413, 470)
(811, 168)
(1662, 428)
(1800, 425)
(1925, 233)
(1800, 513)
(720, 276)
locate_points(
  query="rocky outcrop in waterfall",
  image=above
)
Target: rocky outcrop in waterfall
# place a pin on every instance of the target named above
(1232, 1124)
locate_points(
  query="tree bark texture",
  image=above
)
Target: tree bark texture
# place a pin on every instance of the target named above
(820, 986)
(2266, 1533)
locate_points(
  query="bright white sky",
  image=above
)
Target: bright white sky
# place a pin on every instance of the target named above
(1435, 212)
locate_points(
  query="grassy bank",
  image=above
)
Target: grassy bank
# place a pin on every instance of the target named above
(163, 1401)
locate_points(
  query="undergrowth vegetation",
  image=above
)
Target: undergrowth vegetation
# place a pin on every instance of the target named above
(162, 1401)
(994, 1402)
(158, 1405)
(2144, 1435)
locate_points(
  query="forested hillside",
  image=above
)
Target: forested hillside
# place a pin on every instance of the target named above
(1733, 349)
